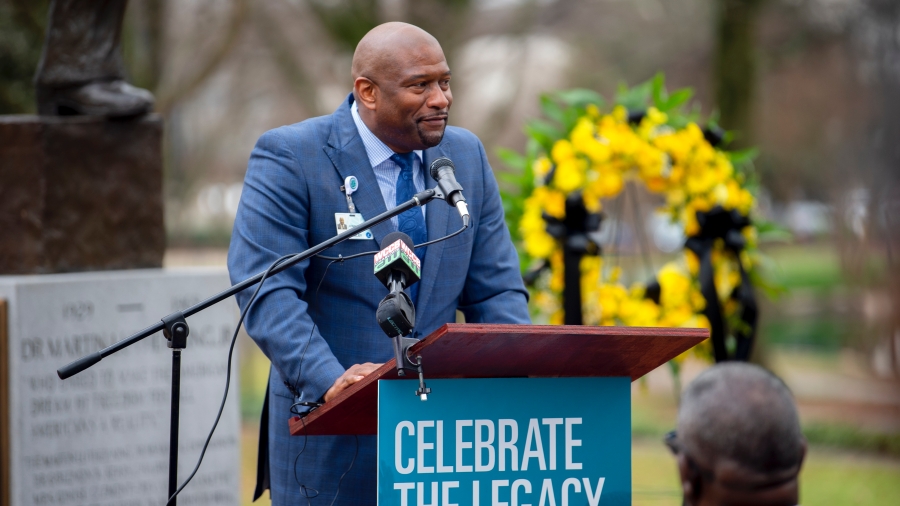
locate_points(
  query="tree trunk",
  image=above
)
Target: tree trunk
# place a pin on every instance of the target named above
(735, 65)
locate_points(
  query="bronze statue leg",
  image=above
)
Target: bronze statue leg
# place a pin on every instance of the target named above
(81, 69)
(82, 43)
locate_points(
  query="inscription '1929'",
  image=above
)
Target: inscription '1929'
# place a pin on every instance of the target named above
(79, 310)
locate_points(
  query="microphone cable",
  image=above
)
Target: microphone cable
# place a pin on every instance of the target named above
(416, 246)
(341, 480)
(303, 488)
(315, 308)
(439, 239)
(293, 409)
(228, 375)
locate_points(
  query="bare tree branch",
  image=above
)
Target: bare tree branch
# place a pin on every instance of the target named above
(284, 57)
(525, 18)
(168, 98)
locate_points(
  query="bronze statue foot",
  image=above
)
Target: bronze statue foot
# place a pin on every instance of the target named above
(104, 98)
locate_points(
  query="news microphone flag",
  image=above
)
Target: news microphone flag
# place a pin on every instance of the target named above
(397, 256)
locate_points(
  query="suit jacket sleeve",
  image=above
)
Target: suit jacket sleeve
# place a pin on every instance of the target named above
(494, 291)
(273, 220)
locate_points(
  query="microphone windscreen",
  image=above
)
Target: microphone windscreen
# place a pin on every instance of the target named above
(439, 164)
(397, 255)
(394, 236)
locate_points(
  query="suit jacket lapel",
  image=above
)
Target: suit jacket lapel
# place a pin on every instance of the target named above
(348, 154)
(437, 220)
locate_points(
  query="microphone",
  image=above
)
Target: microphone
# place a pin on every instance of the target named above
(443, 171)
(396, 264)
(397, 267)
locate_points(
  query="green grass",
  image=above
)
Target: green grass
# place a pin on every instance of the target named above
(254, 378)
(807, 266)
(822, 332)
(249, 446)
(839, 436)
(849, 479)
(817, 266)
(845, 466)
(654, 477)
(652, 416)
(812, 277)
(828, 478)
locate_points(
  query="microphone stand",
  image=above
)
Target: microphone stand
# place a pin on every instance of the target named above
(401, 349)
(176, 330)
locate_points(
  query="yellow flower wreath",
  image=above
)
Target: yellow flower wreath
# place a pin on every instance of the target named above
(598, 155)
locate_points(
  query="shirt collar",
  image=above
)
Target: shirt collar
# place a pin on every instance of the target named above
(377, 151)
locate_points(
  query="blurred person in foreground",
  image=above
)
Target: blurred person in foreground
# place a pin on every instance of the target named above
(317, 325)
(738, 441)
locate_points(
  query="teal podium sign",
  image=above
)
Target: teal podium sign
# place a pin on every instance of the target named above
(505, 442)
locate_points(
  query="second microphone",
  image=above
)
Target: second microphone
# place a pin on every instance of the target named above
(398, 268)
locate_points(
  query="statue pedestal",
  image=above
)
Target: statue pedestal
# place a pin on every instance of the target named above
(80, 193)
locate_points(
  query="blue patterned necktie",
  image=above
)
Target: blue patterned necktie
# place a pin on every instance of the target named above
(410, 222)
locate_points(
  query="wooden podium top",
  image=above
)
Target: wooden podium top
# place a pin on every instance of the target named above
(506, 351)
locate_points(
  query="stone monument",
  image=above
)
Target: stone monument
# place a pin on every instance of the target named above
(81, 190)
(101, 437)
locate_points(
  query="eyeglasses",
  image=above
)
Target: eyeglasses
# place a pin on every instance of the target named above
(671, 441)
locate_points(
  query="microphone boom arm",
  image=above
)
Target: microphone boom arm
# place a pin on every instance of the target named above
(73, 368)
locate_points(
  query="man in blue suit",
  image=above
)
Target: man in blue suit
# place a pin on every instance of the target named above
(316, 321)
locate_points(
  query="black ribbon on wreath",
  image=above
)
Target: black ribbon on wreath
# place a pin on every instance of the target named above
(716, 224)
(573, 231)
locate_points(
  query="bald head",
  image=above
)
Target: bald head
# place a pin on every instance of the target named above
(401, 84)
(390, 47)
(741, 415)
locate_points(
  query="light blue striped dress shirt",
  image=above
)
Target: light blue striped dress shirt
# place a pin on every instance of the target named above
(386, 171)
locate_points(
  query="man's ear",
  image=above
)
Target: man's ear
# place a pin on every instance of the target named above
(366, 92)
(690, 480)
